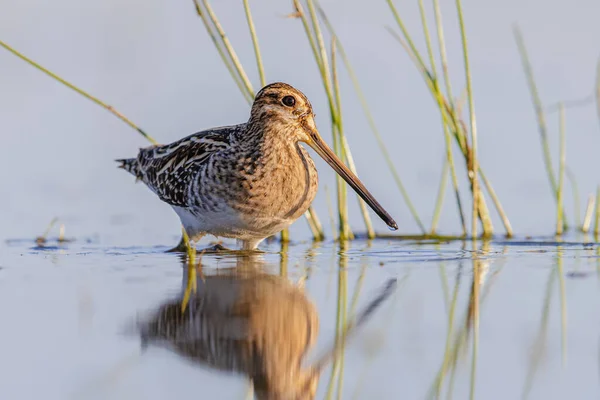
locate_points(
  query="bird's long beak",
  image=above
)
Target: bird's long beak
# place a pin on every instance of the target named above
(327, 154)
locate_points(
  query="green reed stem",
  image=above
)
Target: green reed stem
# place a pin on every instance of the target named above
(575, 193)
(41, 240)
(537, 103)
(597, 213)
(474, 165)
(439, 202)
(314, 224)
(539, 111)
(344, 142)
(259, 63)
(407, 36)
(315, 38)
(224, 57)
(443, 56)
(434, 77)
(345, 233)
(371, 120)
(329, 78)
(589, 212)
(230, 50)
(561, 172)
(330, 208)
(447, 138)
(283, 260)
(80, 91)
(597, 91)
(285, 235)
(309, 35)
(497, 204)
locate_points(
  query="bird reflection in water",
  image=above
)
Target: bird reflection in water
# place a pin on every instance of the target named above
(246, 321)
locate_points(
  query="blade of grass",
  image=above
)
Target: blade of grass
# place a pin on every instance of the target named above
(561, 173)
(597, 214)
(314, 224)
(316, 41)
(539, 111)
(41, 240)
(439, 98)
(589, 212)
(317, 55)
(597, 91)
(283, 260)
(575, 193)
(330, 80)
(232, 54)
(330, 208)
(445, 73)
(497, 204)
(80, 91)
(473, 168)
(344, 142)
(227, 61)
(259, 63)
(344, 228)
(437, 211)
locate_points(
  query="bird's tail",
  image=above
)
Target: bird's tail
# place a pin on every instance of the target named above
(130, 165)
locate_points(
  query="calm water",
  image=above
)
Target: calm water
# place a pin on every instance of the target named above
(68, 313)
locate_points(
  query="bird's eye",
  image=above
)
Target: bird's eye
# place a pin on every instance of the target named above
(289, 101)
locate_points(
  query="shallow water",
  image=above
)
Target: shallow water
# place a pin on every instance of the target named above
(68, 312)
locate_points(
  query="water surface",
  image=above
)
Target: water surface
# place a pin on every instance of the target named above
(68, 312)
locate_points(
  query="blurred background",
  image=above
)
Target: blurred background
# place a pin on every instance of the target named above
(155, 63)
(64, 308)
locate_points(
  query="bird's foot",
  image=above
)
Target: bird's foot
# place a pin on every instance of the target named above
(180, 248)
(217, 248)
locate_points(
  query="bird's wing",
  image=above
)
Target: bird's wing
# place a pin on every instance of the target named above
(168, 170)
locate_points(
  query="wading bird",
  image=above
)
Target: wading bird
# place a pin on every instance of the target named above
(246, 181)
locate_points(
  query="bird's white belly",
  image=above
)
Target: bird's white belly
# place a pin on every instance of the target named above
(229, 223)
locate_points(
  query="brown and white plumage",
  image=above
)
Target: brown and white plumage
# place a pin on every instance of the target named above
(246, 181)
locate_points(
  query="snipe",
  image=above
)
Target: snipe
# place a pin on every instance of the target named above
(246, 181)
